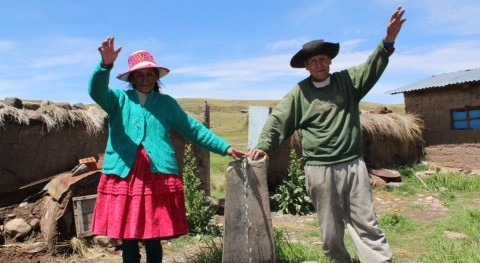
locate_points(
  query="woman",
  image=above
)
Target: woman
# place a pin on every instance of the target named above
(140, 195)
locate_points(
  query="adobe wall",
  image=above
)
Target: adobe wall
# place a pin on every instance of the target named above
(31, 153)
(452, 149)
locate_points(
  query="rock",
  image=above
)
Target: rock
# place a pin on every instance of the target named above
(214, 202)
(63, 105)
(14, 102)
(17, 228)
(454, 235)
(424, 174)
(2, 235)
(35, 116)
(45, 103)
(35, 224)
(102, 241)
(377, 182)
(394, 184)
(10, 216)
(79, 106)
(381, 110)
(31, 106)
(37, 247)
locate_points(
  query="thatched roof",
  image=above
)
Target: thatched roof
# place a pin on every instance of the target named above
(56, 116)
(403, 129)
(53, 117)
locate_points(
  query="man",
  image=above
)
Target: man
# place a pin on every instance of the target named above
(325, 107)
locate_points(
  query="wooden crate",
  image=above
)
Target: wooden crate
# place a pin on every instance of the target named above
(83, 212)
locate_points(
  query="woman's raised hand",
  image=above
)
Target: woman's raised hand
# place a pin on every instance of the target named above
(108, 52)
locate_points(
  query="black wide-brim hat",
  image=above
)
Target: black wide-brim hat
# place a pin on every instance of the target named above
(313, 48)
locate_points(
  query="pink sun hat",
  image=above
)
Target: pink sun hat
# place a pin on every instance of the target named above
(142, 59)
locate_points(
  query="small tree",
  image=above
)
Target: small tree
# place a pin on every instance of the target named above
(199, 213)
(291, 196)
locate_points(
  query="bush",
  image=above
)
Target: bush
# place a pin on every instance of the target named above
(291, 196)
(199, 213)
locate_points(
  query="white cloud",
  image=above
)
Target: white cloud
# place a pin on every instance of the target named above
(446, 16)
(288, 44)
(249, 69)
(438, 57)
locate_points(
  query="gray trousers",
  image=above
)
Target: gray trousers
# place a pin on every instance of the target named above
(342, 195)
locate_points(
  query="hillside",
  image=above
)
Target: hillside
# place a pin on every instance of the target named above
(229, 116)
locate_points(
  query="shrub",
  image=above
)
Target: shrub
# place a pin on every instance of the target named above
(199, 213)
(291, 196)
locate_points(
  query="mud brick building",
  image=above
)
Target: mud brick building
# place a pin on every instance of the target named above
(41, 140)
(449, 105)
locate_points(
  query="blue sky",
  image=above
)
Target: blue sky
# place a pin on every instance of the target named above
(225, 49)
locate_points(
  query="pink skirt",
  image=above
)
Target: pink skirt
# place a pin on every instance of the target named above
(144, 205)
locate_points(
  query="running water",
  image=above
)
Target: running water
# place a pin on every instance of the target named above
(247, 190)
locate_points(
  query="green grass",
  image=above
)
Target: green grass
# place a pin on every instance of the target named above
(465, 221)
(411, 239)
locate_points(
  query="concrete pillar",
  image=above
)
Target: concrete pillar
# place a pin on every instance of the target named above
(248, 236)
(257, 116)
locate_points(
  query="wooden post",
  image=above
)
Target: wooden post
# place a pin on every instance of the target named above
(248, 236)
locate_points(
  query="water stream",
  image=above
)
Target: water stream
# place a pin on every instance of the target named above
(247, 190)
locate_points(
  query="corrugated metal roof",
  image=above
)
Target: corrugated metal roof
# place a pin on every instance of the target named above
(441, 80)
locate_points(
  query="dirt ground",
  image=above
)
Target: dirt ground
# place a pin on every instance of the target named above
(33, 250)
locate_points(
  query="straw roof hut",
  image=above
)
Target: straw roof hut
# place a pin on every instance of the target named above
(389, 140)
(41, 140)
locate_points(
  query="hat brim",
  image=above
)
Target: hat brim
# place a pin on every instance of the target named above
(162, 71)
(298, 60)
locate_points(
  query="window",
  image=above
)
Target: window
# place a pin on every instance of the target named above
(464, 119)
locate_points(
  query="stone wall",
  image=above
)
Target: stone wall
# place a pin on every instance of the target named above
(457, 150)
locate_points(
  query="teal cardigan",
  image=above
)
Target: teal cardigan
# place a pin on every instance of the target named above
(130, 125)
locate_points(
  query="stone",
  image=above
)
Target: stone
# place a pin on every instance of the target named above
(35, 224)
(394, 184)
(79, 106)
(63, 105)
(45, 103)
(17, 228)
(10, 216)
(31, 106)
(103, 241)
(13, 102)
(454, 235)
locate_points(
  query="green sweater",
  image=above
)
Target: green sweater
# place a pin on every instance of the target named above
(130, 125)
(328, 117)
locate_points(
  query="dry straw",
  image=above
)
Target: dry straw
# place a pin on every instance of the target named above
(9, 113)
(405, 129)
(54, 117)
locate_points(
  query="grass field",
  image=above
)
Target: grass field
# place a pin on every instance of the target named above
(229, 120)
